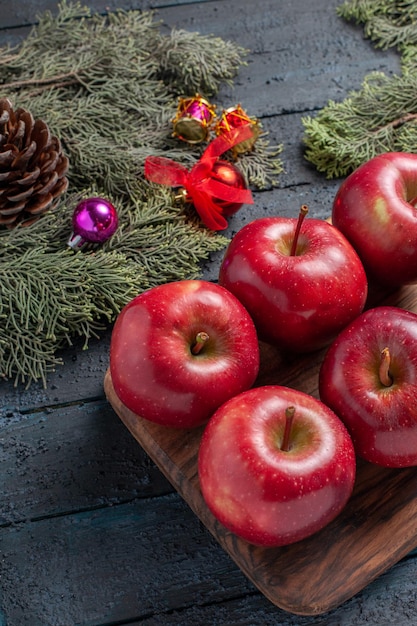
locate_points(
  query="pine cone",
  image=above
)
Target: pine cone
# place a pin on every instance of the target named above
(32, 167)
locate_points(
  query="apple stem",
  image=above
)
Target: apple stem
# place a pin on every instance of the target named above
(301, 216)
(289, 417)
(200, 340)
(384, 374)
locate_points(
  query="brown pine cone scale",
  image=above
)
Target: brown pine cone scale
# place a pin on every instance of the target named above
(33, 167)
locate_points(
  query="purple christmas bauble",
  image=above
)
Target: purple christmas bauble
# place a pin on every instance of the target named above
(94, 221)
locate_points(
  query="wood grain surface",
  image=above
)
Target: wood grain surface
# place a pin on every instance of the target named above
(375, 530)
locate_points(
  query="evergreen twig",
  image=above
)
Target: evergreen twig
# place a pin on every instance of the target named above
(388, 23)
(382, 115)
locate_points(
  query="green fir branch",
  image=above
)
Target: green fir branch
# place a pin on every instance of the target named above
(388, 23)
(382, 115)
(204, 72)
(108, 87)
(262, 165)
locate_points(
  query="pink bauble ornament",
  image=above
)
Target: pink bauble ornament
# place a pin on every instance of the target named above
(193, 119)
(94, 221)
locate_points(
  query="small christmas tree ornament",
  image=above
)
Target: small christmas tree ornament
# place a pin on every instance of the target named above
(193, 119)
(216, 188)
(32, 167)
(235, 117)
(94, 221)
(228, 174)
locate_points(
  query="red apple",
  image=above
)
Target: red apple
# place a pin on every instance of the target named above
(181, 349)
(369, 379)
(375, 208)
(302, 282)
(275, 465)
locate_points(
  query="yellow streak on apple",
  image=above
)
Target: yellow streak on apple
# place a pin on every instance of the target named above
(381, 210)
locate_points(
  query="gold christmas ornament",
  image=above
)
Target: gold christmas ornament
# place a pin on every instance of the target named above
(234, 117)
(193, 119)
(32, 167)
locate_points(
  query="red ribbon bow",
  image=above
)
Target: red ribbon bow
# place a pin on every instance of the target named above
(198, 183)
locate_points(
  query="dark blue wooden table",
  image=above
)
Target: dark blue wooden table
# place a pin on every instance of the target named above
(91, 533)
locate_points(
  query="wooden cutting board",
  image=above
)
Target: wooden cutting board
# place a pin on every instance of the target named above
(375, 530)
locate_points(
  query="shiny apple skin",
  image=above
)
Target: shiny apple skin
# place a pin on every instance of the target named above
(382, 420)
(372, 209)
(153, 370)
(298, 303)
(259, 492)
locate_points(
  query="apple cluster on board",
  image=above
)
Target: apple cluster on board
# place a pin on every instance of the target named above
(275, 464)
